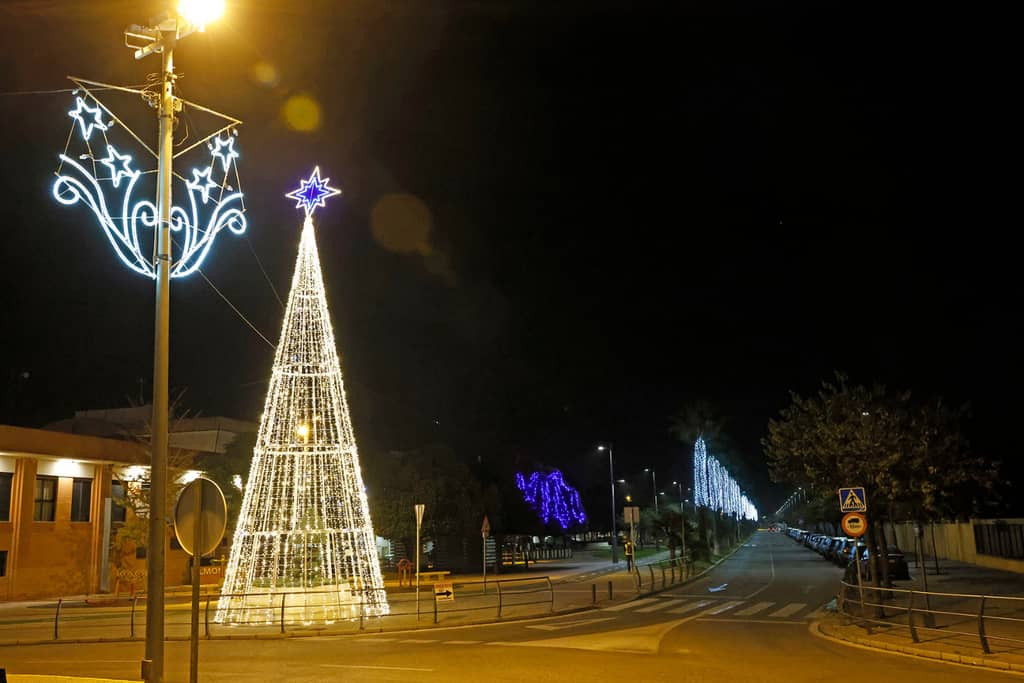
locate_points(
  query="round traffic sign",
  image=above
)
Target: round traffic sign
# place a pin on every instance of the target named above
(854, 524)
(200, 498)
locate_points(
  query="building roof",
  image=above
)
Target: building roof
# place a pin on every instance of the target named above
(41, 443)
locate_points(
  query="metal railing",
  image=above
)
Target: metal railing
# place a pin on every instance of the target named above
(301, 612)
(990, 618)
(667, 572)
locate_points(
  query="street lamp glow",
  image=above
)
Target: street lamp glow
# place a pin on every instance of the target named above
(201, 12)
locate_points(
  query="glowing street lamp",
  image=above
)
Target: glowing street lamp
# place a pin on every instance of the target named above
(192, 15)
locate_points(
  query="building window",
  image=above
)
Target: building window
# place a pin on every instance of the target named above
(117, 508)
(3, 563)
(46, 499)
(81, 500)
(6, 479)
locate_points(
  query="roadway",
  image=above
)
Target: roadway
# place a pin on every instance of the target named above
(749, 619)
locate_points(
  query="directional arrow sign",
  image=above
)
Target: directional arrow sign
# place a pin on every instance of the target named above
(443, 592)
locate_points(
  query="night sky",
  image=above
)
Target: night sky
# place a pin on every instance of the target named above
(561, 222)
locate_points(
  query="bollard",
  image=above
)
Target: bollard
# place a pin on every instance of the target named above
(206, 617)
(981, 628)
(283, 596)
(910, 619)
(610, 590)
(593, 593)
(435, 609)
(499, 599)
(662, 577)
(650, 568)
(56, 618)
(131, 628)
(551, 592)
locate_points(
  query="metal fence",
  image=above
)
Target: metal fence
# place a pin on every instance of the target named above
(995, 621)
(289, 612)
(648, 577)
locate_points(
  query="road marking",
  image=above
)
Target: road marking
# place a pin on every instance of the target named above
(753, 621)
(789, 610)
(771, 580)
(664, 604)
(692, 606)
(417, 640)
(463, 642)
(630, 605)
(568, 624)
(725, 608)
(754, 609)
(379, 668)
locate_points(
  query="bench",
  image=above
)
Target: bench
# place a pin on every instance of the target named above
(434, 576)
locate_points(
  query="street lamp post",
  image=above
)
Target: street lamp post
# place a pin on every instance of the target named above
(682, 520)
(611, 479)
(163, 37)
(654, 485)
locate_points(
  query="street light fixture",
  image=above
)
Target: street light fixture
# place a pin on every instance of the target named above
(611, 478)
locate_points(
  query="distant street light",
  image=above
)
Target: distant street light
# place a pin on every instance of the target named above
(682, 519)
(611, 478)
(654, 486)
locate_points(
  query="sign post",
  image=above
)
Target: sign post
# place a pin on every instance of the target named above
(200, 517)
(419, 523)
(485, 530)
(853, 502)
(632, 515)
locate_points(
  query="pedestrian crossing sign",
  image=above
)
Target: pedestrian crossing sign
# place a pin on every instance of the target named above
(852, 499)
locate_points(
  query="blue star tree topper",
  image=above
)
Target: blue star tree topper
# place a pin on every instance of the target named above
(312, 193)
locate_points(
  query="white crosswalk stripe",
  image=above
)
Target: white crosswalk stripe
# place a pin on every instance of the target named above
(754, 609)
(630, 605)
(665, 604)
(725, 608)
(789, 610)
(692, 606)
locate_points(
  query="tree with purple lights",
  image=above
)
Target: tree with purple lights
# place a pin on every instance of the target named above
(552, 498)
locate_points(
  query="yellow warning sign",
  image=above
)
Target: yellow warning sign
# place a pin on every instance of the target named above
(852, 499)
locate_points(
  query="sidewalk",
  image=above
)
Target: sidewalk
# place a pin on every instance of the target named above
(955, 634)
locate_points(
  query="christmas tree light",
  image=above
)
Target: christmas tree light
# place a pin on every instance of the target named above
(552, 498)
(304, 525)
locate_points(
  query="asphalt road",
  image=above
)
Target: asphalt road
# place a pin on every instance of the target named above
(754, 627)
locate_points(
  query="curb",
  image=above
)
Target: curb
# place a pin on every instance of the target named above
(820, 630)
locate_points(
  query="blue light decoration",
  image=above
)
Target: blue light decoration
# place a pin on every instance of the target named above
(552, 498)
(130, 228)
(312, 193)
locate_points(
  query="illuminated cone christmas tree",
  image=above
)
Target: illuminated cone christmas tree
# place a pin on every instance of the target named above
(304, 526)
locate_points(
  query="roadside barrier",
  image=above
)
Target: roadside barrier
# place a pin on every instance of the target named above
(990, 617)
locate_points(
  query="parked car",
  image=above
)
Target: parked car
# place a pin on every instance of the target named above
(898, 568)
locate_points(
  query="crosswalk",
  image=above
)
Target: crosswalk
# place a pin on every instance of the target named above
(720, 607)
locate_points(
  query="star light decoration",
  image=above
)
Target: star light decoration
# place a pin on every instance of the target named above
(130, 227)
(713, 488)
(312, 193)
(304, 526)
(552, 498)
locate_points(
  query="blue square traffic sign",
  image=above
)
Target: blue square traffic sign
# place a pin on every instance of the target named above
(852, 499)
